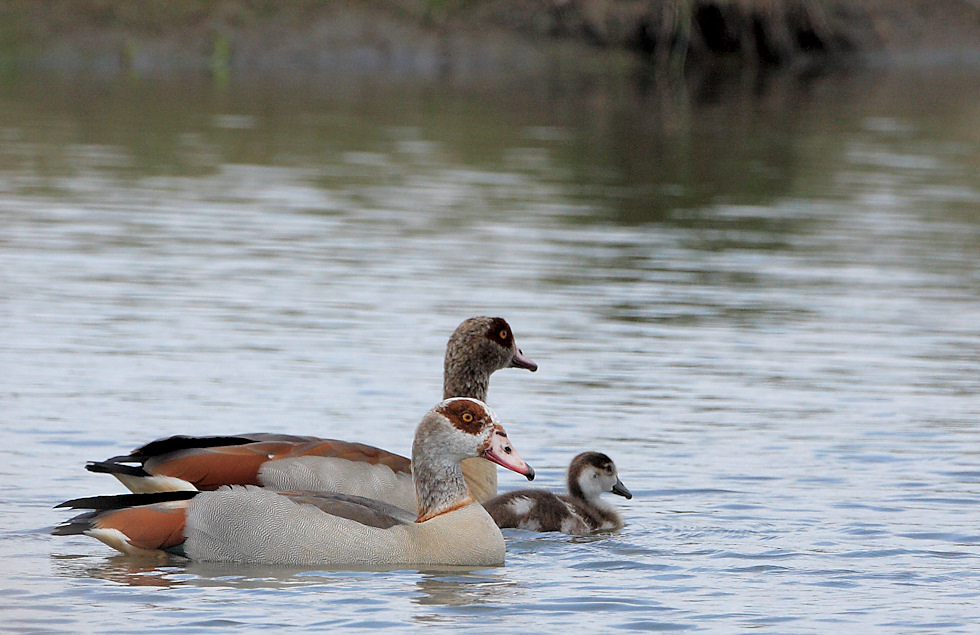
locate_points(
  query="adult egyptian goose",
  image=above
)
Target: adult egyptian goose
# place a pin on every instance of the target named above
(258, 525)
(581, 511)
(477, 348)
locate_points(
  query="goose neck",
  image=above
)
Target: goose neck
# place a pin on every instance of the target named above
(439, 483)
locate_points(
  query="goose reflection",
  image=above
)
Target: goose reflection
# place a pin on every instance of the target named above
(465, 587)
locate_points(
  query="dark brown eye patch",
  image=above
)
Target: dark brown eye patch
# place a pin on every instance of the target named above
(499, 331)
(467, 415)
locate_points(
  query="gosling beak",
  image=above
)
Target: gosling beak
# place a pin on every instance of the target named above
(621, 490)
(500, 451)
(523, 361)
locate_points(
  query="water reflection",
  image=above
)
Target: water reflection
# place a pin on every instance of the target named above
(764, 306)
(630, 155)
(474, 589)
(436, 586)
(126, 570)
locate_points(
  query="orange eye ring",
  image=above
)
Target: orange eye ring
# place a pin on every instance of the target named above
(467, 417)
(503, 334)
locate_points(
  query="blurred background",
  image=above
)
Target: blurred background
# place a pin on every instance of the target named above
(740, 238)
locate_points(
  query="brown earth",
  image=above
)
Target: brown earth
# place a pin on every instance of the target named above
(470, 39)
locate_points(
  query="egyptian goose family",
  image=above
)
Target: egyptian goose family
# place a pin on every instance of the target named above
(581, 511)
(281, 499)
(257, 525)
(477, 348)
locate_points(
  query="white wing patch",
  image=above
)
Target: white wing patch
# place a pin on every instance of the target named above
(150, 484)
(521, 506)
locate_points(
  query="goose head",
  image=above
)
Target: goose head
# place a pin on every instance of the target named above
(461, 428)
(476, 349)
(457, 429)
(592, 473)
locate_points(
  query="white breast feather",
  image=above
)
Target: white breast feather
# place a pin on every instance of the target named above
(571, 525)
(530, 524)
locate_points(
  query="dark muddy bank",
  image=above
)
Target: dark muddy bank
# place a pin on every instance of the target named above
(467, 41)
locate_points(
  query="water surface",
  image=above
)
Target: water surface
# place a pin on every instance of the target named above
(762, 300)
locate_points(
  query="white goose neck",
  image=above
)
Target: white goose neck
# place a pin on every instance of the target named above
(439, 483)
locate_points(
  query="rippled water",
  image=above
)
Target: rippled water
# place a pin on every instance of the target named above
(763, 302)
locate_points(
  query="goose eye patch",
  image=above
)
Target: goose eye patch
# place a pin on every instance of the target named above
(465, 415)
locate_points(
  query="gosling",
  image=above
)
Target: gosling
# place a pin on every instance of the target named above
(580, 511)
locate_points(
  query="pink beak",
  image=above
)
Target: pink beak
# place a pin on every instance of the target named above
(502, 453)
(523, 361)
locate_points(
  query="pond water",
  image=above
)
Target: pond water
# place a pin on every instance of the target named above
(761, 299)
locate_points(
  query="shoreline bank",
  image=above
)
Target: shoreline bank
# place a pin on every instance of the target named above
(456, 40)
